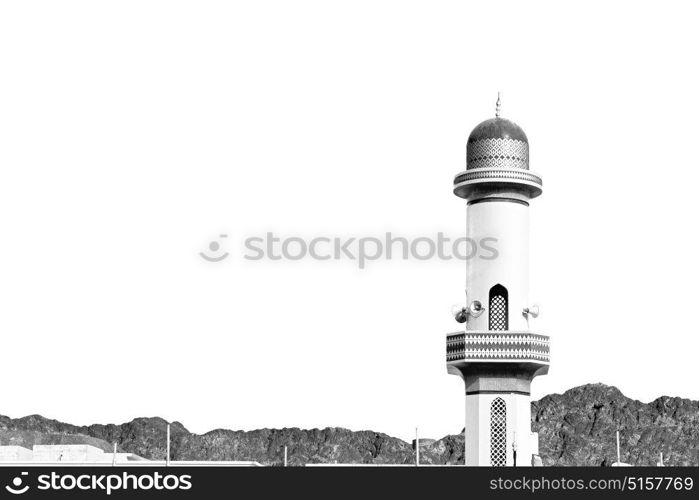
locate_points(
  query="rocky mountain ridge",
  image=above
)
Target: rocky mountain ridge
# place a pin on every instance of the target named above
(575, 428)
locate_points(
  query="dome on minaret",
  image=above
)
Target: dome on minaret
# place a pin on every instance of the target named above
(497, 161)
(497, 128)
(497, 143)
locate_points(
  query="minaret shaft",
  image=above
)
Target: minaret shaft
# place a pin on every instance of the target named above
(503, 225)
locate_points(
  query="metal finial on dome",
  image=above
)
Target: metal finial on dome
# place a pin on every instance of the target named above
(497, 107)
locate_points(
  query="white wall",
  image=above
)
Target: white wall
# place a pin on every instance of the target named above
(15, 454)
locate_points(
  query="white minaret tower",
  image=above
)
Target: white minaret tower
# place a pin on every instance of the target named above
(497, 354)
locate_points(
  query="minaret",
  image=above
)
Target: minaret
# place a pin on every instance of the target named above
(497, 354)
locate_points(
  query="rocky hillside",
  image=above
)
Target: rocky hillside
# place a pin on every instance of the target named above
(575, 428)
(579, 426)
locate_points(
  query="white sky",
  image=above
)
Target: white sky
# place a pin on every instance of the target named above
(133, 133)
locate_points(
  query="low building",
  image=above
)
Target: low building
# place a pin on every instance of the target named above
(74, 453)
(85, 454)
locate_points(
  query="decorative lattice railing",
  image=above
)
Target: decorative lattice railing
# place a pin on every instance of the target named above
(496, 346)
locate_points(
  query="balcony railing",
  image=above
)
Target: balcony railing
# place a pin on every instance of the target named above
(495, 346)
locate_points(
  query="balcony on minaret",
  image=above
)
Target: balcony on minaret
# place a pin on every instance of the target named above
(489, 346)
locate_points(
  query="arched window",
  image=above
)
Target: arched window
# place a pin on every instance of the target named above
(498, 433)
(497, 315)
